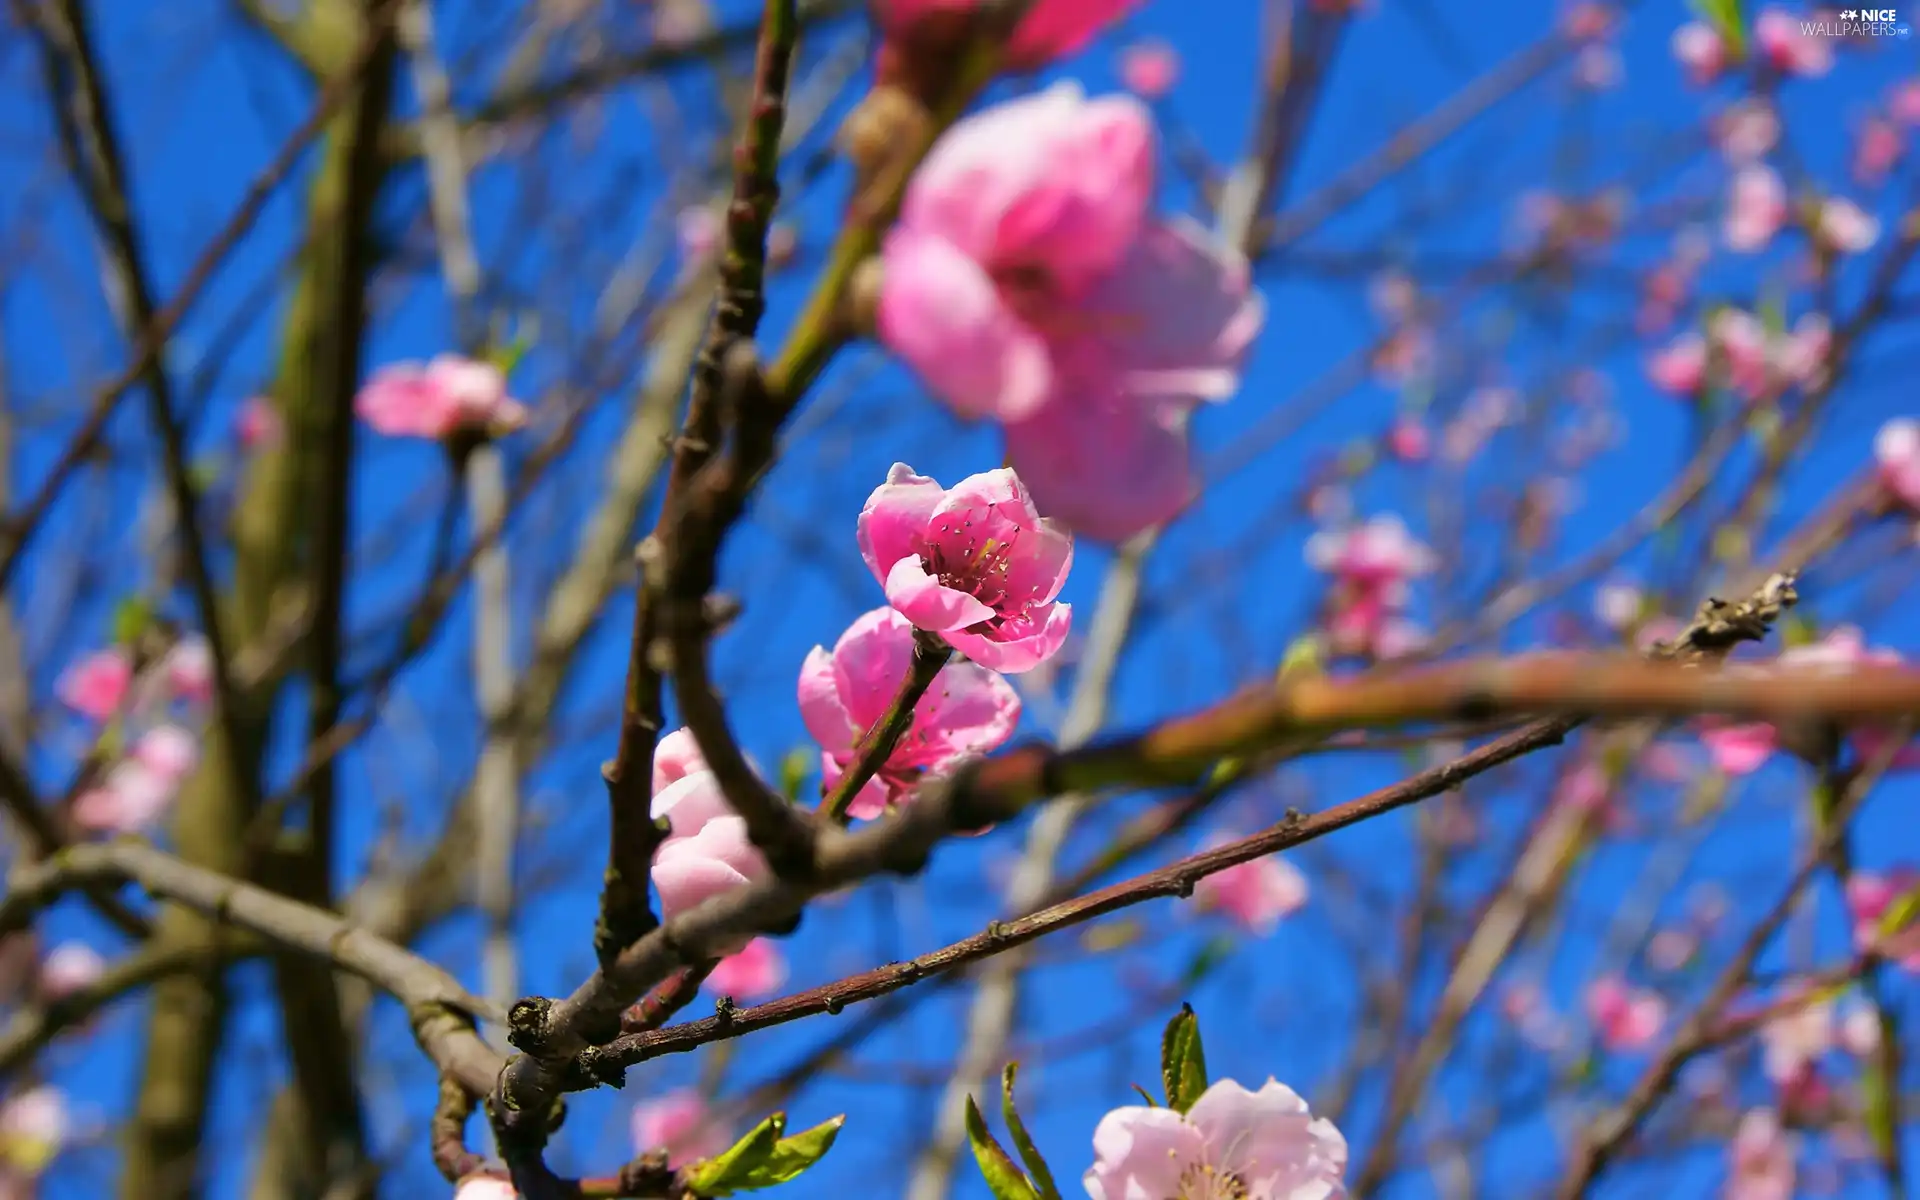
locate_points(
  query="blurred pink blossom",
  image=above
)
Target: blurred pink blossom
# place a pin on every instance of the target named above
(1409, 440)
(1617, 605)
(1624, 1018)
(679, 1123)
(1587, 20)
(97, 685)
(1737, 748)
(1904, 104)
(1740, 748)
(1257, 895)
(754, 971)
(1760, 1159)
(707, 852)
(975, 563)
(188, 668)
(1870, 896)
(1796, 1039)
(1681, 368)
(1746, 131)
(1878, 148)
(968, 710)
(448, 394)
(1845, 227)
(1701, 50)
(485, 1187)
(1671, 949)
(1777, 34)
(69, 967)
(1599, 68)
(1896, 450)
(1372, 565)
(131, 797)
(1859, 1030)
(1232, 1142)
(167, 750)
(1756, 208)
(258, 423)
(698, 231)
(1149, 68)
(34, 1126)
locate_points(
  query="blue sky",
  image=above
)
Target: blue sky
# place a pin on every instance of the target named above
(203, 109)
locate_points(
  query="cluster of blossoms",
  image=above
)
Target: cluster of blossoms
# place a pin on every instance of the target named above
(1373, 565)
(1739, 351)
(1782, 46)
(438, 399)
(134, 791)
(1028, 281)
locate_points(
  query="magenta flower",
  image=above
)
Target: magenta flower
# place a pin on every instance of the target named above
(754, 971)
(1051, 28)
(1231, 1143)
(968, 709)
(1869, 898)
(1896, 451)
(69, 967)
(707, 852)
(1257, 895)
(1777, 34)
(188, 668)
(1624, 1018)
(1149, 68)
(680, 1124)
(1761, 1159)
(1756, 208)
(974, 563)
(1701, 50)
(96, 686)
(446, 395)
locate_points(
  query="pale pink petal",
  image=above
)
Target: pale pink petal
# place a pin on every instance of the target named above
(1256, 894)
(893, 524)
(870, 661)
(929, 603)
(1149, 68)
(1020, 643)
(1778, 34)
(485, 1187)
(1739, 749)
(867, 803)
(69, 967)
(1756, 208)
(1847, 227)
(401, 401)
(189, 669)
(1700, 49)
(941, 313)
(690, 802)
(1140, 1154)
(755, 971)
(1270, 1141)
(1105, 465)
(821, 709)
(968, 710)
(680, 1123)
(1897, 450)
(130, 798)
(1762, 1159)
(167, 750)
(675, 757)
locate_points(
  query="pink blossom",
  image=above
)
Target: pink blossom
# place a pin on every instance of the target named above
(1681, 368)
(1624, 1018)
(1378, 553)
(1599, 68)
(1870, 896)
(1896, 449)
(1105, 466)
(1756, 208)
(97, 685)
(1738, 748)
(1587, 21)
(1747, 131)
(1860, 1030)
(975, 563)
(968, 710)
(188, 669)
(707, 852)
(69, 967)
(1617, 604)
(1149, 68)
(448, 394)
(1257, 894)
(755, 970)
(1879, 147)
(34, 1126)
(168, 751)
(1701, 50)
(485, 1187)
(1845, 227)
(1794, 1041)
(1904, 104)
(258, 423)
(1778, 35)
(698, 230)
(1761, 1158)
(131, 797)
(679, 1123)
(1232, 1142)
(1409, 441)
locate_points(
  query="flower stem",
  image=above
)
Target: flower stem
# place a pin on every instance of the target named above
(930, 654)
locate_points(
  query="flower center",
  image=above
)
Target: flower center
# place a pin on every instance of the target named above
(978, 567)
(1202, 1181)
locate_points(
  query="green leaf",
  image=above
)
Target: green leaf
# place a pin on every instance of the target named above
(1212, 953)
(1004, 1180)
(729, 1171)
(1304, 659)
(1900, 913)
(1029, 1154)
(794, 769)
(1725, 18)
(131, 618)
(793, 1155)
(1876, 1104)
(1183, 1064)
(1151, 1102)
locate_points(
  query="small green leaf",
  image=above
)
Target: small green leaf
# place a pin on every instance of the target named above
(1304, 658)
(1900, 913)
(793, 1155)
(1037, 1168)
(729, 1171)
(1875, 1101)
(1004, 1179)
(1725, 18)
(1183, 1064)
(794, 769)
(131, 618)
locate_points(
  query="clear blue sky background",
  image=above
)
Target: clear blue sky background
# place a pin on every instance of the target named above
(1227, 594)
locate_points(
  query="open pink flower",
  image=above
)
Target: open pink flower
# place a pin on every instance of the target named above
(750, 973)
(1699, 48)
(1756, 208)
(131, 797)
(69, 967)
(1624, 1018)
(188, 669)
(1761, 1155)
(707, 852)
(679, 1123)
(485, 1187)
(974, 563)
(1257, 894)
(1681, 368)
(1896, 450)
(1845, 227)
(448, 394)
(1232, 1142)
(1149, 68)
(1870, 896)
(97, 685)
(1790, 51)
(968, 709)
